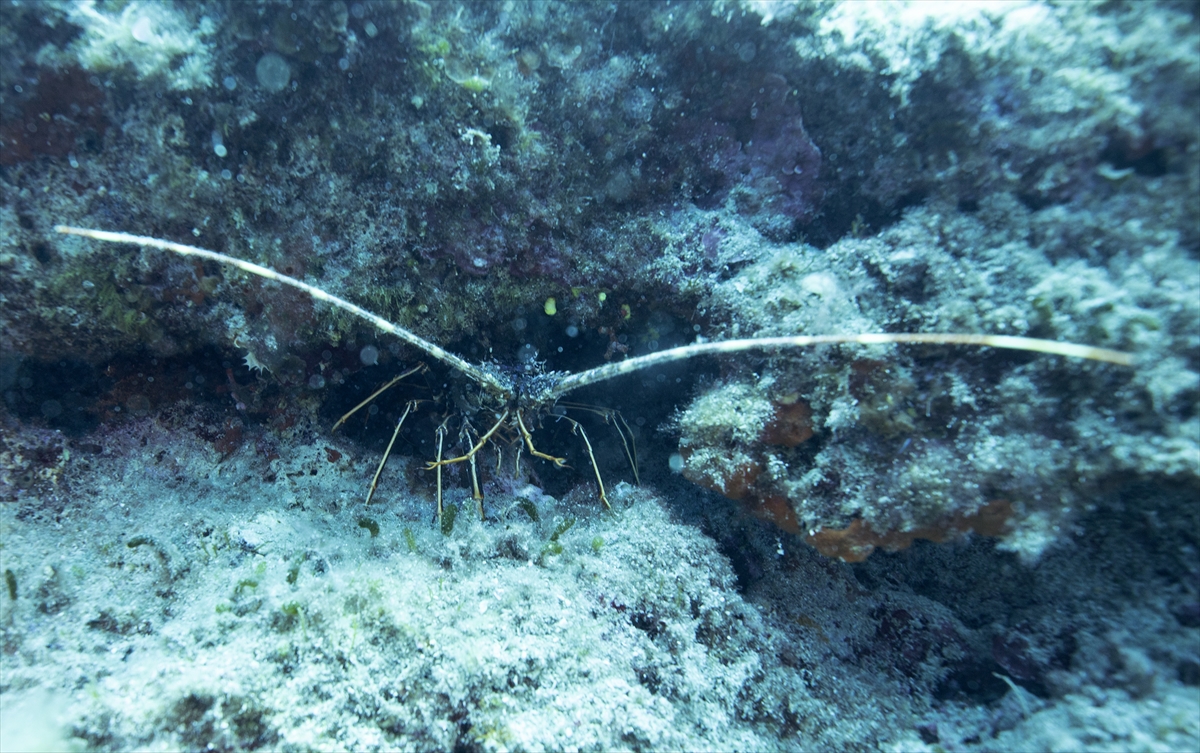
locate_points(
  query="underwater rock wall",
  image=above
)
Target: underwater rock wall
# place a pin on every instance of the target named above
(548, 187)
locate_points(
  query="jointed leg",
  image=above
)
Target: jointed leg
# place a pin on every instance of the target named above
(470, 453)
(561, 462)
(375, 481)
(441, 438)
(475, 493)
(630, 446)
(558, 462)
(469, 456)
(618, 422)
(577, 429)
(419, 367)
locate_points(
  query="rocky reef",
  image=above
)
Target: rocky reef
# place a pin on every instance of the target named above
(543, 188)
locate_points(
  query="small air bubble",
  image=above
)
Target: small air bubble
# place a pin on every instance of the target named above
(369, 355)
(526, 353)
(199, 379)
(572, 331)
(229, 82)
(519, 323)
(676, 463)
(316, 382)
(273, 72)
(343, 64)
(373, 409)
(143, 30)
(226, 175)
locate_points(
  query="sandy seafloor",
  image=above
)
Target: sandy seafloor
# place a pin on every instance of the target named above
(188, 561)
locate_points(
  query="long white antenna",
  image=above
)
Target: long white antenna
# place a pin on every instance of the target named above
(1053, 347)
(609, 371)
(479, 375)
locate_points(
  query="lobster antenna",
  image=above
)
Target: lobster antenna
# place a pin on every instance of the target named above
(609, 371)
(1028, 344)
(479, 375)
